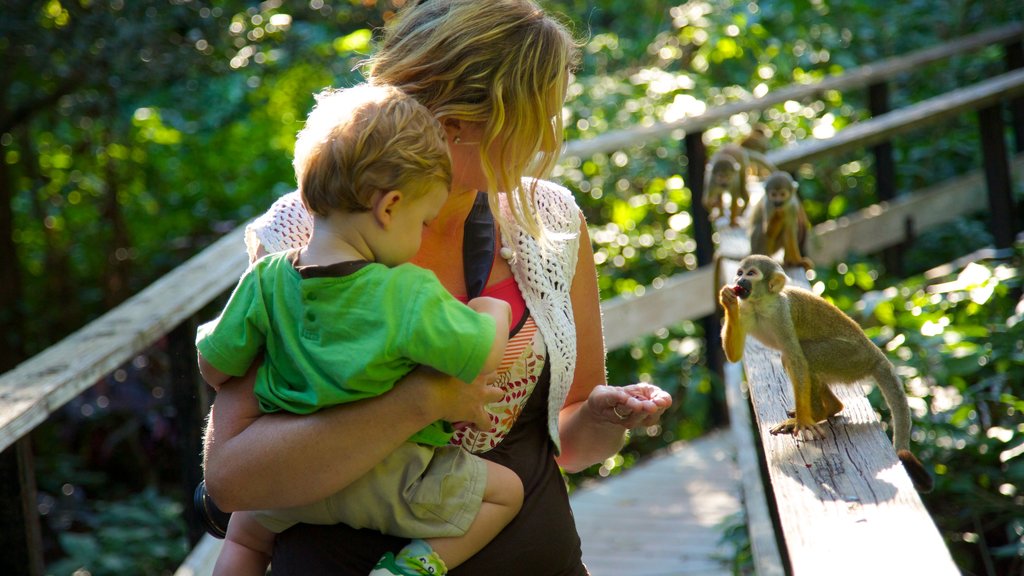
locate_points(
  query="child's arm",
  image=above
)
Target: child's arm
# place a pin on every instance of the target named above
(502, 314)
(212, 376)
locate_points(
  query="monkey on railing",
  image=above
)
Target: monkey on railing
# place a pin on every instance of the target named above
(727, 171)
(820, 345)
(778, 221)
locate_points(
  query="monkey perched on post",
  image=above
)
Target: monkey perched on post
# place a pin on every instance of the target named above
(820, 345)
(727, 171)
(778, 221)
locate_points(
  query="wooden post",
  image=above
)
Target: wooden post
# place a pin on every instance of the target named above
(885, 171)
(1015, 60)
(191, 403)
(19, 518)
(997, 175)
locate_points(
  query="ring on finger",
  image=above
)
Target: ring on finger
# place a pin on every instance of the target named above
(619, 414)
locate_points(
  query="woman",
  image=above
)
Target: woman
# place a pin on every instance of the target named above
(495, 75)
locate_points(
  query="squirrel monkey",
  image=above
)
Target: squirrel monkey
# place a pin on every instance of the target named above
(727, 171)
(779, 221)
(820, 345)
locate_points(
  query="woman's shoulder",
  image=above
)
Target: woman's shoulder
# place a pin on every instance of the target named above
(556, 205)
(549, 191)
(286, 224)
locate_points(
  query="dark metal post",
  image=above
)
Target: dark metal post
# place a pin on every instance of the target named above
(997, 175)
(696, 156)
(191, 403)
(696, 159)
(1014, 61)
(22, 553)
(885, 171)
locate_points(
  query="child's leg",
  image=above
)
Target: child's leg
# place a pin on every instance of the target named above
(503, 497)
(247, 547)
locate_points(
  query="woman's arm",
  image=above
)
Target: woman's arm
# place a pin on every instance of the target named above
(590, 424)
(281, 460)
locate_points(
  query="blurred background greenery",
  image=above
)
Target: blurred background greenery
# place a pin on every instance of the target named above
(134, 133)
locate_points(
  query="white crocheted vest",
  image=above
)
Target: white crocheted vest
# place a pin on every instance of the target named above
(544, 276)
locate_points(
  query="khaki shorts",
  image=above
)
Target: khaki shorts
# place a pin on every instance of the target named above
(416, 492)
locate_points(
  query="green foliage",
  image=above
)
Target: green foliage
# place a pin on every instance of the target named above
(143, 534)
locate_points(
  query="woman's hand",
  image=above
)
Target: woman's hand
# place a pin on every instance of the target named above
(629, 406)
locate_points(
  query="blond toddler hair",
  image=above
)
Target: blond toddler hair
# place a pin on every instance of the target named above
(360, 140)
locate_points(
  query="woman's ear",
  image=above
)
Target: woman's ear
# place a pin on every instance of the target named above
(383, 206)
(452, 127)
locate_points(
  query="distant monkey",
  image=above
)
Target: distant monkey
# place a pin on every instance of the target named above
(820, 345)
(778, 221)
(727, 171)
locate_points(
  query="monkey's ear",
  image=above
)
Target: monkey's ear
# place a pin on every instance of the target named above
(777, 282)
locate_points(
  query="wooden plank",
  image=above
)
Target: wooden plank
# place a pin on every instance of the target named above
(760, 527)
(201, 559)
(884, 127)
(882, 225)
(664, 516)
(845, 492)
(36, 388)
(681, 297)
(852, 79)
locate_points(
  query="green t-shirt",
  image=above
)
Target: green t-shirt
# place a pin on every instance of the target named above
(333, 335)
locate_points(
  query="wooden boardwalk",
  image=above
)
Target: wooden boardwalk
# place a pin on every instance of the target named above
(663, 517)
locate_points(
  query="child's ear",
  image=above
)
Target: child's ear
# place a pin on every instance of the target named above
(383, 206)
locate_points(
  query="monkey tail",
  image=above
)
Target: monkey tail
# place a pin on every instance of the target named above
(892, 390)
(918, 474)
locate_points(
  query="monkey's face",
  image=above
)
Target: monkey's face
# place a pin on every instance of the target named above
(723, 173)
(745, 279)
(778, 195)
(759, 276)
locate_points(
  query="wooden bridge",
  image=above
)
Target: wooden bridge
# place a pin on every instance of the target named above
(806, 503)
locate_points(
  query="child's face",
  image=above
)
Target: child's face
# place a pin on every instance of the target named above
(408, 219)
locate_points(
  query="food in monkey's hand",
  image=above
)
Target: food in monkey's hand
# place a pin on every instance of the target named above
(740, 290)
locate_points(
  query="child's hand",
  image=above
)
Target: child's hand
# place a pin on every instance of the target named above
(453, 400)
(493, 306)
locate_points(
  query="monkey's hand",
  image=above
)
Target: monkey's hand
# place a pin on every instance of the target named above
(728, 299)
(803, 431)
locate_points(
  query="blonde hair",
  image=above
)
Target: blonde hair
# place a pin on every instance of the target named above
(504, 63)
(365, 139)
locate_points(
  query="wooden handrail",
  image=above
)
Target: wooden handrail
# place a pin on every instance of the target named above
(855, 78)
(884, 127)
(41, 385)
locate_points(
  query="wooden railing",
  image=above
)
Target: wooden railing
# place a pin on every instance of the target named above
(34, 390)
